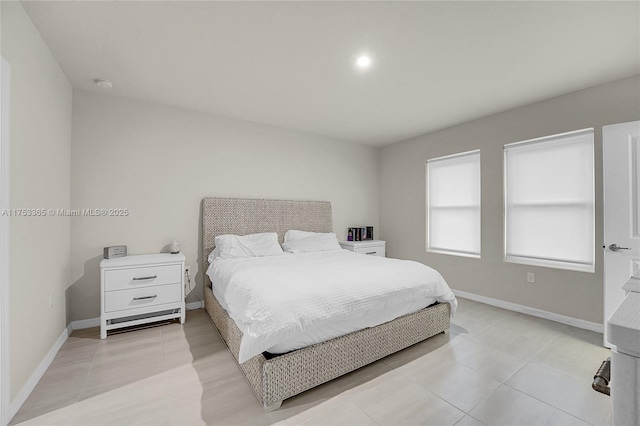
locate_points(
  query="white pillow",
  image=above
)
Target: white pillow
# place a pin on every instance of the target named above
(322, 242)
(213, 255)
(292, 235)
(252, 245)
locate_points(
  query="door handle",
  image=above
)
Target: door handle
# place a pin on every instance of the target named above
(602, 377)
(615, 247)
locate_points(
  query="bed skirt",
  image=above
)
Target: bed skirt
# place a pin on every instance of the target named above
(276, 379)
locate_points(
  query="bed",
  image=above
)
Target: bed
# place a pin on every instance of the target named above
(275, 378)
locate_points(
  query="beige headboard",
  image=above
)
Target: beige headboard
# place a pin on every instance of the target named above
(241, 216)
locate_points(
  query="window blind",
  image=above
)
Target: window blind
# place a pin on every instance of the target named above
(549, 201)
(453, 204)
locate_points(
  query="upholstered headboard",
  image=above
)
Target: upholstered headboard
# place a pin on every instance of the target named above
(241, 216)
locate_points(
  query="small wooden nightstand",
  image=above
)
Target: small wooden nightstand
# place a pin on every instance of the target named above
(141, 289)
(370, 247)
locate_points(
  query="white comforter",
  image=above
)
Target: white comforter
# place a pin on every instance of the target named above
(276, 298)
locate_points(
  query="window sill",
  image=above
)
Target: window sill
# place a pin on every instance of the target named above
(552, 264)
(454, 253)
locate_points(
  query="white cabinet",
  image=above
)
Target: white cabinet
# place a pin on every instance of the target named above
(141, 289)
(370, 247)
(623, 331)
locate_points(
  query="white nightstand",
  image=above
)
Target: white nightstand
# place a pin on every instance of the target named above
(371, 247)
(141, 289)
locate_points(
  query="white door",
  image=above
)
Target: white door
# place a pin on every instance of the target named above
(621, 145)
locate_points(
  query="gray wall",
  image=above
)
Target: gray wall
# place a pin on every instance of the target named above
(40, 143)
(160, 161)
(402, 198)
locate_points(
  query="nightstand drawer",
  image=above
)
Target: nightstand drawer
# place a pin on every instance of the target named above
(142, 297)
(121, 279)
(373, 250)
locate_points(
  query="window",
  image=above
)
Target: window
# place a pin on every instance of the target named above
(549, 201)
(453, 204)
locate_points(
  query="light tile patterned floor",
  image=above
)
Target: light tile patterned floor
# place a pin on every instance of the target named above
(494, 367)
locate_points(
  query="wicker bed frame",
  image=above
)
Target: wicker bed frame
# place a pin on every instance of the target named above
(275, 379)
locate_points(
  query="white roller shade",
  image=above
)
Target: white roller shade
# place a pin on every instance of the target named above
(453, 204)
(549, 201)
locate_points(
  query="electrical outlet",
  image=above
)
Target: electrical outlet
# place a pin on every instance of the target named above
(51, 300)
(531, 277)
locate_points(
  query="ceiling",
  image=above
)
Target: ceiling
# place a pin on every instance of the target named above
(291, 64)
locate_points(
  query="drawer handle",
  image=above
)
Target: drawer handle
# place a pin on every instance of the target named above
(372, 252)
(150, 277)
(145, 297)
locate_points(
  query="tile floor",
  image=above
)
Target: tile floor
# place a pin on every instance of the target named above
(494, 367)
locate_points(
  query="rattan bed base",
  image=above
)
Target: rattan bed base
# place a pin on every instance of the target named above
(276, 379)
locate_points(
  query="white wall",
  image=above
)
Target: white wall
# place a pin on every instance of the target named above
(402, 198)
(160, 161)
(40, 127)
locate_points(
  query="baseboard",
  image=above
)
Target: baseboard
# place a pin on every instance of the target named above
(85, 323)
(195, 305)
(37, 374)
(575, 322)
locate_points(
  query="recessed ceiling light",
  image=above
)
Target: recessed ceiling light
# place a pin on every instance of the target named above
(103, 84)
(363, 61)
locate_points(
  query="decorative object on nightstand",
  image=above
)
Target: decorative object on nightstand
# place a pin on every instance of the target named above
(371, 247)
(360, 233)
(174, 247)
(141, 289)
(112, 252)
